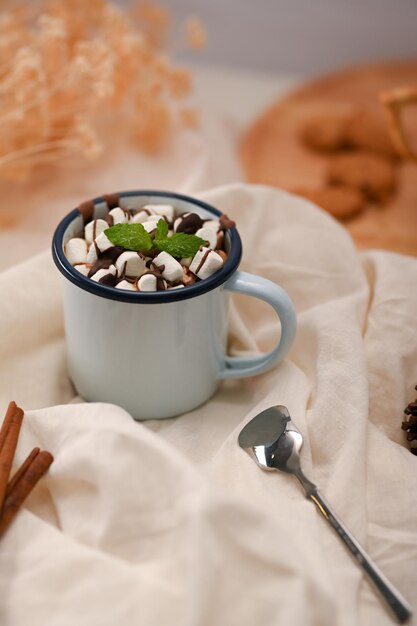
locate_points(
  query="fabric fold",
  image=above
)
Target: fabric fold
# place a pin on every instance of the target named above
(169, 521)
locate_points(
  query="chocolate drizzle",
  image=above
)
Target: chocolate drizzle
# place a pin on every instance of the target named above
(112, 200)
(226, 222)
(87, 210)
(105, 259)
(109, 280)
(190, 223)
(203, 260)
(95, 234)
(188, 277)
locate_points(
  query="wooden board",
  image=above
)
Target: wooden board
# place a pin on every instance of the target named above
(272, 153)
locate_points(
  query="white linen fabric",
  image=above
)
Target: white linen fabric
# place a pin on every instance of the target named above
(169, 521)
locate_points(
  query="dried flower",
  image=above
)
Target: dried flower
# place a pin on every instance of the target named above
(67, 65)
(196, 36)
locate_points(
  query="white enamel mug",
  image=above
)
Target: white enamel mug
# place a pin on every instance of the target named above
(158, 354)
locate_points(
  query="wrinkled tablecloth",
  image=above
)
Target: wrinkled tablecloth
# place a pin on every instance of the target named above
(169, 522)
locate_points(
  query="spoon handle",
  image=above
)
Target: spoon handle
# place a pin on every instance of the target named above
(389, 593)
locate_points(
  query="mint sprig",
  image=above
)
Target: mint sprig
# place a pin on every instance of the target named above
(161, 230)
(180, 245)
(129, 236)
(135, 237)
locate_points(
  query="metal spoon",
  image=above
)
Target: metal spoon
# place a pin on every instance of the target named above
(273, 441)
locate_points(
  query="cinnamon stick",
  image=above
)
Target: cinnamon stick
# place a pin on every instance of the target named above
(8, 441)
(6, 423)
(22, 469)
(22, 488)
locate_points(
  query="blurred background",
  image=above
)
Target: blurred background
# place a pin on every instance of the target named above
(149, 97)
(302, 36)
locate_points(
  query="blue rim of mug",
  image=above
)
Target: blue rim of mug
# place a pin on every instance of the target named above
(173, 295)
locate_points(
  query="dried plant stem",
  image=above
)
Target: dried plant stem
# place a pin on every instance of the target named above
(36, 149)
(68, 66)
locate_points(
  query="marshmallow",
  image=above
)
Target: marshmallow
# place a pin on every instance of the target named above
(205, 263)
(150, 224)
(103, 272)
(165, 210)
(92, 254)
(93, 229)
(83, 268)
(140, 216)
(147, 283)
(188, 223)
(130, 264)
(213, 225)
(172, 269)
(175, 287)
(186, 261)
(119, 216)
(76, 250)
(209, 235)
(124, 284)
(103, 243)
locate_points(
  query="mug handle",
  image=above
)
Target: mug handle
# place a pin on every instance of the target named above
(266, 290)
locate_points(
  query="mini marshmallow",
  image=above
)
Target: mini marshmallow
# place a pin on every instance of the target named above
(165, 210)
(175, 287)
(130, 264)
(186, 261)
(140, 216)
(103, 243)
(208, 234)
(205, 263)
(150, 225)
(92, 254)
(103, 272)
(83, 268)
(118, 215)
(213, 225)
(172, 269)
(93, 229)
(76, 250)
(147, 283)
(124, 284)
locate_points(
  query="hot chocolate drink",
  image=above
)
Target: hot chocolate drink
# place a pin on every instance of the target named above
(152, 248)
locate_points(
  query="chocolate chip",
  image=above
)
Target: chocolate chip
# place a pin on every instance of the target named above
(189, 224)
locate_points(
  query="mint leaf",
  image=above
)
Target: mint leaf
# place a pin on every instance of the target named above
(180, 244)
(161, 229)
(129, 236)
